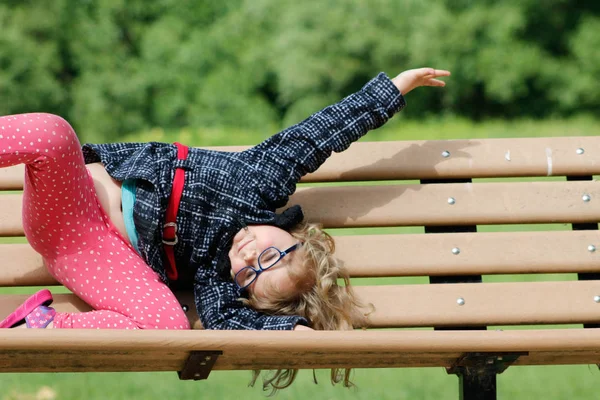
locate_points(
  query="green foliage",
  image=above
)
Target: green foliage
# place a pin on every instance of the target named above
(113, 66)
(446, 128)
(30, 60)
(580, 86)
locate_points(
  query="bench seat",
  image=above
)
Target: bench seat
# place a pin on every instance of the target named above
(120, 350)
(474, 253)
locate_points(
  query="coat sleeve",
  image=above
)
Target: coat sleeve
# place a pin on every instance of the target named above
(290, 154)
(219, 308)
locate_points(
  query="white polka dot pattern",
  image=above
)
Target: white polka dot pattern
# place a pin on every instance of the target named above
(64, 222)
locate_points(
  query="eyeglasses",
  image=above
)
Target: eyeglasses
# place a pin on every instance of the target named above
(266, 260)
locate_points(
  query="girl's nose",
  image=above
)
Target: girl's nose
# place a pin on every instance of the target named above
(250, 256)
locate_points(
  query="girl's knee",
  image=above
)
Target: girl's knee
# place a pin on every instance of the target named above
(54, 131)
(176, 324)
(171, 322)
(179, 321)
(47, 118)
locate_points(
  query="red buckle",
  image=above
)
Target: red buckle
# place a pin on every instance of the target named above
(170, 238)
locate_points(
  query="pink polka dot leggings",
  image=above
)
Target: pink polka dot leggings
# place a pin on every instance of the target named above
(65, 223)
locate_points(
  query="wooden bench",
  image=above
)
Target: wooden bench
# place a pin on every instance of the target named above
(453, 194)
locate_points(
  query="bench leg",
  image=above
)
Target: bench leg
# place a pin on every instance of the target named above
(477, 373)
(477, 378)
(476, 386)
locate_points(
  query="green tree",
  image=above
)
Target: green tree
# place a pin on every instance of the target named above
(116, 66)
(30, 60)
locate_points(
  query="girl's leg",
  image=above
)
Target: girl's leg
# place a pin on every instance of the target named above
(115, 281)
(64, 222)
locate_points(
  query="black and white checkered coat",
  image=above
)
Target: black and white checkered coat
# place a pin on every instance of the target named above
(224, 190)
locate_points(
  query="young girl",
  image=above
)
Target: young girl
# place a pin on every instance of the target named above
(190, 218)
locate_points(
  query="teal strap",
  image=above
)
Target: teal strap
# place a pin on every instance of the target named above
(127, 201)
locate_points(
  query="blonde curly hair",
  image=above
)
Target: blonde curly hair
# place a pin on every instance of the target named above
(323, 296)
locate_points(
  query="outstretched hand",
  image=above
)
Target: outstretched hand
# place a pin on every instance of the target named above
(413, 78)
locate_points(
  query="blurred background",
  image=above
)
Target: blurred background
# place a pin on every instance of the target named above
(117, 68)
(237, 71)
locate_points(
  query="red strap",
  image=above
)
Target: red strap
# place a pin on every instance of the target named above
(170, 228)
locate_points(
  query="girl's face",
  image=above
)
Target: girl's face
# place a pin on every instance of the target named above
(246, 247)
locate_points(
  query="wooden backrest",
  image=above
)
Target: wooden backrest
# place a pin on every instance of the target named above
(407, 213)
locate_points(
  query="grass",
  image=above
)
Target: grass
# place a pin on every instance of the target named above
(516, 383)
(548, 382)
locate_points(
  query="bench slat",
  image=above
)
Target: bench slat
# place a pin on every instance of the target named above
(479, 253)
(106, 350)
(475, 158)
(11, 223)
(404, 255)
(11, 178)
(23, 266)
(392, 205)
(481, 203)
(59, 360)
(514, 303)
(526, 303)
(484, 203)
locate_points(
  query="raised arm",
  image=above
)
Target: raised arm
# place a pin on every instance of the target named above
(290, 154)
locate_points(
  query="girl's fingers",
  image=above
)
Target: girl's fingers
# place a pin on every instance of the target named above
(432, 82)
(436, 82)
(437, 73)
